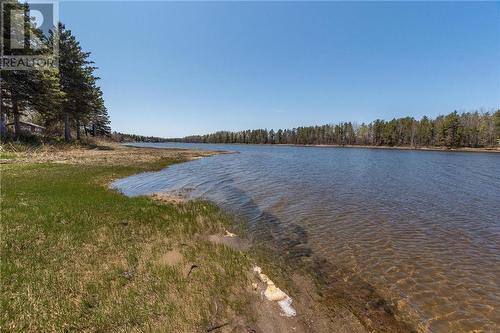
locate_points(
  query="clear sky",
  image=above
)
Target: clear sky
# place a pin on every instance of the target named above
(172, 69)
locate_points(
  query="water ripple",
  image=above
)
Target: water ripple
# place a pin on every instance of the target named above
(422, 227)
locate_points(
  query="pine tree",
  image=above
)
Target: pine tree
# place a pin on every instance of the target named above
(453, 130)
(27, 90)
(77, 81)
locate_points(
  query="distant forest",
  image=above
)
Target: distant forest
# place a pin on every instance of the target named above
(468, 129)
(123, 137)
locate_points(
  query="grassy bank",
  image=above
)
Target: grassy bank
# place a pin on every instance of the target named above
(77, 256)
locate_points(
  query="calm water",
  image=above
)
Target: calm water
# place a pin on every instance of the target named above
(422, 227)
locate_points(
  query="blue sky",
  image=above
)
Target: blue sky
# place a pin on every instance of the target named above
(172, 69)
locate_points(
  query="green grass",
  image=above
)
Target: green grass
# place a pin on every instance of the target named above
(77, 256)
(7, 156)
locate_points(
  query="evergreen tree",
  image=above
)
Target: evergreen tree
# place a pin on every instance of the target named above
(84, 104)
(27, 90)
(68, 94)
(452, 130)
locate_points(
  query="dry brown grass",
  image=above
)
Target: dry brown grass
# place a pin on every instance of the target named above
(99, 153)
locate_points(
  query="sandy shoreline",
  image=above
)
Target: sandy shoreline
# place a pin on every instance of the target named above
(425, 148)
(491, 150)
(438, 149)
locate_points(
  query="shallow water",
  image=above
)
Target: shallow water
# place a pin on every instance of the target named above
(422, 227)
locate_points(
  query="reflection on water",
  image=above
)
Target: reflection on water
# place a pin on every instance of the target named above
(423, 228)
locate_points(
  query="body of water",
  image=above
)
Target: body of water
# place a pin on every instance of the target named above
(421, 227)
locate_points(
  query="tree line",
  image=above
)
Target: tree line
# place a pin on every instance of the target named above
(123, 137)
(67, 100)
(468, 129)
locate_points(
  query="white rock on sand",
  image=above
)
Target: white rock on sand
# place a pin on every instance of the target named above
(286, 306)
(275, 294)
